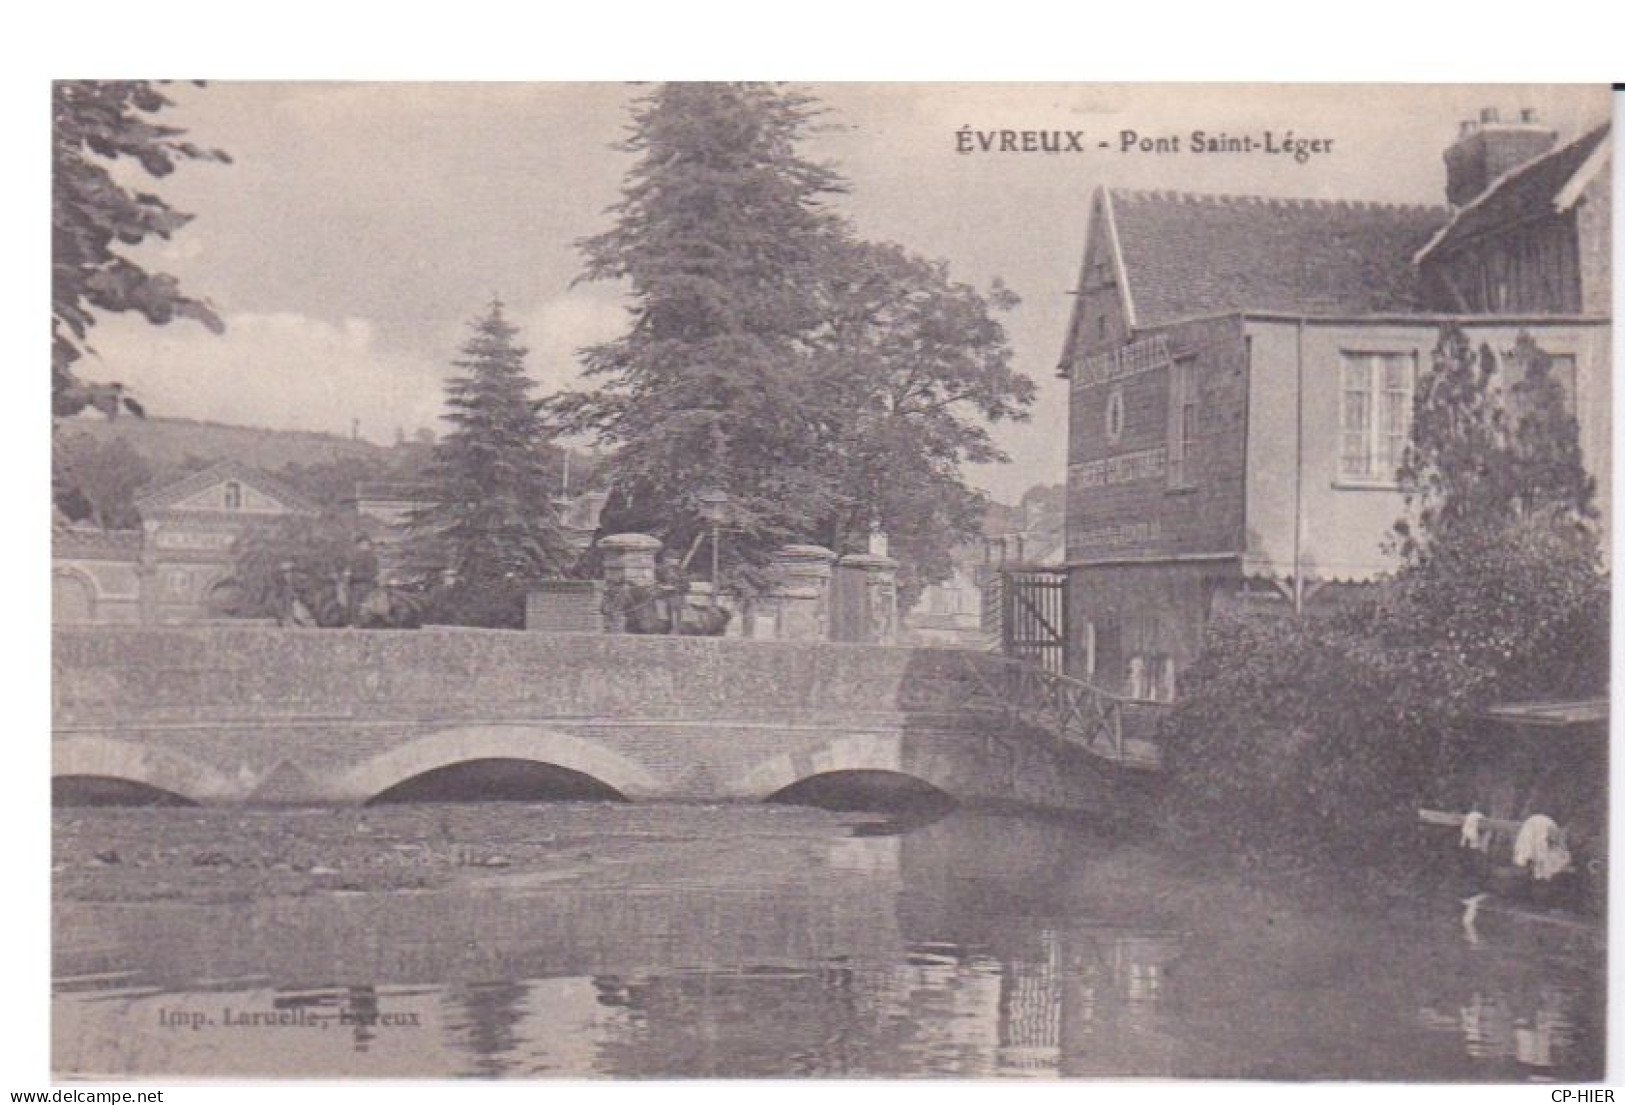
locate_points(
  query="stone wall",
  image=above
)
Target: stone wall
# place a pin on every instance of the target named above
(224, 670)
(565, 606)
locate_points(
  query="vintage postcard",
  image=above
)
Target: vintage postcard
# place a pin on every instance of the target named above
(734, 580)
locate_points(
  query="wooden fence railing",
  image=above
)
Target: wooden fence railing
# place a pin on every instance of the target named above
(1071, 711)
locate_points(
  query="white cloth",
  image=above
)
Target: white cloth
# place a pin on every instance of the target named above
(1473, 834)
(1540, 847)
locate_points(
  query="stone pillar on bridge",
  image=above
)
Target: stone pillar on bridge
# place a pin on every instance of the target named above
(629, 561)
(799, 598)
(877, 612)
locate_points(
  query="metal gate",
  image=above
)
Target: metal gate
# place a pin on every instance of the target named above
(1030, 605)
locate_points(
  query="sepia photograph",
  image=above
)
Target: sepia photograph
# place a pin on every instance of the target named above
(753, 580)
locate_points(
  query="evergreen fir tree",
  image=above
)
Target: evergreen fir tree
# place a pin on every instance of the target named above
(720, 235)
(494, 523)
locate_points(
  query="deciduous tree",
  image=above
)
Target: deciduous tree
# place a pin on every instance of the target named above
(99, 481)
(915, 366)
(96, 216)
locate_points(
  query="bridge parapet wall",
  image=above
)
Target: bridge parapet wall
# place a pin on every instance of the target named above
(226, 671)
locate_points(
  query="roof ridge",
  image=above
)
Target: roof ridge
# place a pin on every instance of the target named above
(1596, 133)
(167, 494)
(1301, 203)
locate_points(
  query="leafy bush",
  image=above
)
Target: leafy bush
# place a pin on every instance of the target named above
(1299, 737)
(1318, 737)
(309, 553)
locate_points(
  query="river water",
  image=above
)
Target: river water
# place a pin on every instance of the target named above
(510, 940)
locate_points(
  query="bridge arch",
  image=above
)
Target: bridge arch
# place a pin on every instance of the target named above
(467, 744)
(137, 763)
(867, 753)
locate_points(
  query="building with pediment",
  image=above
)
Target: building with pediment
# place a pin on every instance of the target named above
(175, 567)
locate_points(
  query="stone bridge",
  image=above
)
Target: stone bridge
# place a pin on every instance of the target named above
(259, 715)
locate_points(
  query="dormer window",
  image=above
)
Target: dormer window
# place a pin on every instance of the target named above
(234, 495)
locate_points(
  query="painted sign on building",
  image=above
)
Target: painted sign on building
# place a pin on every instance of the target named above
(1142, 464)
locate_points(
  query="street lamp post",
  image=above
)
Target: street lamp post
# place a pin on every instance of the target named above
(714, 509)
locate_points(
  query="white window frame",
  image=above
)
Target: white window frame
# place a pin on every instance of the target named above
(1380, 403)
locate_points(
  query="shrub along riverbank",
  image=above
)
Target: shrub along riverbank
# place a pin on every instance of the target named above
(1311, 741)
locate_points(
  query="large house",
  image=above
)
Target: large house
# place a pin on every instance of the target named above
(1242, 371)
(175, 568)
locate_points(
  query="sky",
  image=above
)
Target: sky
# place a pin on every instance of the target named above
(360, 226)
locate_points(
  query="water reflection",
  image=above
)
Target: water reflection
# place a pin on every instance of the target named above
(746, 942)
(1537, 1033)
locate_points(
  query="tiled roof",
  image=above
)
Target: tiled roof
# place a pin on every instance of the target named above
(1188, 255)
(1534, 188)
(181, 489)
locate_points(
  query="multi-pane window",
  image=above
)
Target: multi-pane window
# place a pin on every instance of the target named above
(1182, 415)
(1376, 419)
(234, 495)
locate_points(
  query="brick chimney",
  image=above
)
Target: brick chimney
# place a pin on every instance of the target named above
(1487, 147)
